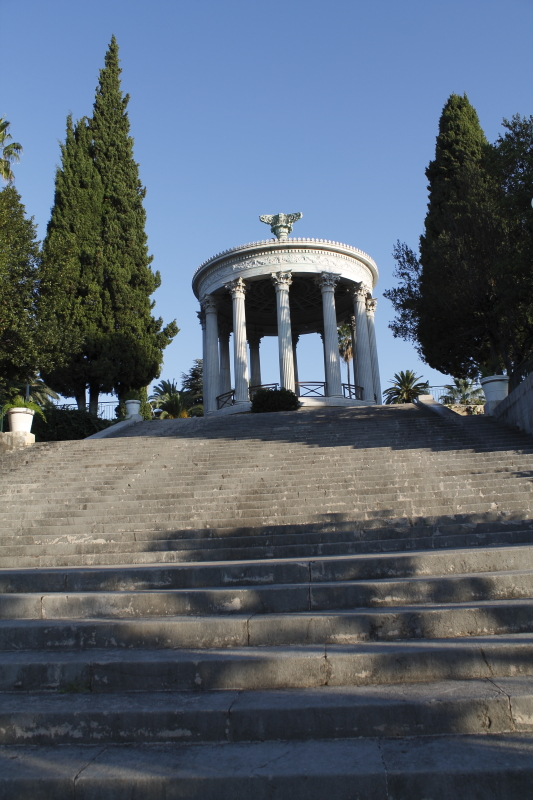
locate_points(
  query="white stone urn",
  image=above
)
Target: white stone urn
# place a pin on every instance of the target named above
(20, 419)
(496, 389)
(132, 408)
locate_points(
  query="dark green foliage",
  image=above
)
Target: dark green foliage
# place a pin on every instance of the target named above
(63, 424)
(467, 303)
(80, 311)
(96, 248)
(21, 348)
(146, 409)
(406, 387)
(134, 348)
(265, 400)
(192, 382)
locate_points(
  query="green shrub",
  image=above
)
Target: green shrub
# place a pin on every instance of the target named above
(63, 424)
(265, 400)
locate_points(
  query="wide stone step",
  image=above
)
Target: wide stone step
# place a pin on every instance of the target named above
(270, 629)
(274, 598)
(202, 552)
(309, 666)
(267, 572)
(446, 707)
(467, 766)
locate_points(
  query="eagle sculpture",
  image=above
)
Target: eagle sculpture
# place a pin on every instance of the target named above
(281, 224)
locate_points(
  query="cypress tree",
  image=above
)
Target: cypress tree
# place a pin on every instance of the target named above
(71, 300)
(20, 345)
(133, 349)
(464, 302)
(96, 251)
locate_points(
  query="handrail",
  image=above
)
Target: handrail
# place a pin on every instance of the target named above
(312, 388)
(225, 400)
(352, 392)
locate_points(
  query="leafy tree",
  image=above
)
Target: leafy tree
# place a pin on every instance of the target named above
(464, 392)
(467, 302)
(20, 346)
(9, 151)
(192, 382)
(405, 388)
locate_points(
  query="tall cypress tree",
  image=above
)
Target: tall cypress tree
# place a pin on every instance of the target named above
(20, 344)
(454, 298)
(71, 277)
(96, 246)
(134, 348)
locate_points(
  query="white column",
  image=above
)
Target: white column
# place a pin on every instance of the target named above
(370, 311)
(364, 365)
(238, 289)
(354, 346)
(254, 340)
(225, 368)
(282, 281)
(327, 283)
(323, 340)
(211, 367)
(295, 338)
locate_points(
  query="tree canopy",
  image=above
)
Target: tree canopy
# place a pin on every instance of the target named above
(97, 245)
(21, 351)
(466, 301)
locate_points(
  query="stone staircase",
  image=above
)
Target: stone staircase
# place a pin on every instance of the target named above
(272, 606)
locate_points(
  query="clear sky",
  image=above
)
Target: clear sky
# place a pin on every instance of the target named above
(240, 108)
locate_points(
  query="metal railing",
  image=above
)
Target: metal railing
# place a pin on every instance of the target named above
(440, 393)
(311, 388)
(253, 389)
(225, 400)
(106, 408)
(352, 392)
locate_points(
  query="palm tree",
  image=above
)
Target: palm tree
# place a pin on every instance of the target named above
(463, 392)
(8, 152)
(162, 392)
(405, 388)
(344, 333)
(173, 407)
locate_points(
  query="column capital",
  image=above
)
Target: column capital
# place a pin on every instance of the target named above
(295, 337)
(327, 281)
(281, 280)
(361, 290)
(201, 318)
(253, 337)
(371, 304)
(237, 288)
(209, 303)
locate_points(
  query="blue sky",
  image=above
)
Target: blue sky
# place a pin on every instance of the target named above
(240, 108)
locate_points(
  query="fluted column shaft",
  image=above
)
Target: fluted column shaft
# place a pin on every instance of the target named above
(327, 283)
(255, 360)
(211, 366)
(282, 281)
(354, 354)
(238, 289)
(295, 361)
(364, 364)
(370, 311)
(225, 367)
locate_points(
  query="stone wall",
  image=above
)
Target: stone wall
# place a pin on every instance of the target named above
(15, 441)
(517, 408)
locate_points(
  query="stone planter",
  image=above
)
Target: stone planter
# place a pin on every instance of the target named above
(132, 408)
(496, 389)
(20, 420)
